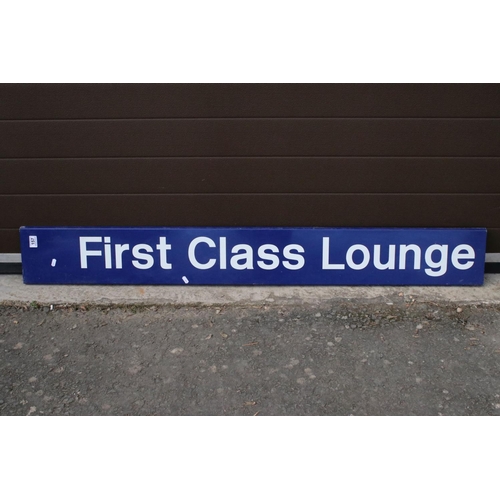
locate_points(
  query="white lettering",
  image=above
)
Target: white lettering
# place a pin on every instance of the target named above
(84, 253)
(363, 263)
(192, 249)
(108, 264)
(417, 255)
(326, 256)
(119, 249)
(246, 257)
(136, 252)
(222, 253)
(275, 261)
(436, 268)
(458, 255)
(287, 253)
(391, 260)
(163, 247)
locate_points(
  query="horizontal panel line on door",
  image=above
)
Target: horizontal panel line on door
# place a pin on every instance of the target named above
(218, 118)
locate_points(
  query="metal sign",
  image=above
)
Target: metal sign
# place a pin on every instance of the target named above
(252, 256)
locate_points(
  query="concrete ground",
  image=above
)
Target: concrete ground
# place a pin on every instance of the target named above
(249, 351)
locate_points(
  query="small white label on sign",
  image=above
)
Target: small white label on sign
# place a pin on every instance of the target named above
(33, 242)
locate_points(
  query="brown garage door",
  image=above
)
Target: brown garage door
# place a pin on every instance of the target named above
(249, 155)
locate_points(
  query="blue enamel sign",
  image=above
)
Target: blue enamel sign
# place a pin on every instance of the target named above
(252, 256)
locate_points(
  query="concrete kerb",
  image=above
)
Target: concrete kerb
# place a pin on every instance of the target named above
(14, 292)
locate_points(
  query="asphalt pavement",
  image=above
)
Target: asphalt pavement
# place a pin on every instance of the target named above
(335, 356)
